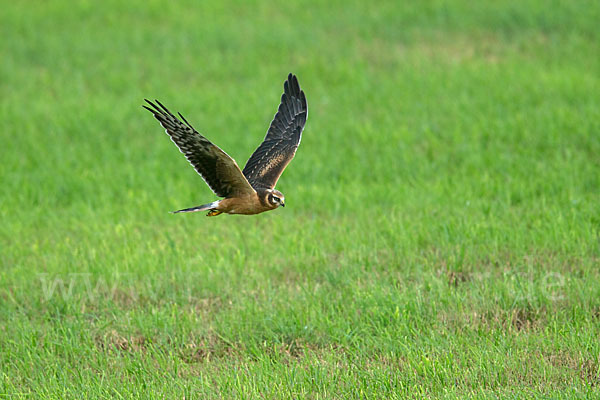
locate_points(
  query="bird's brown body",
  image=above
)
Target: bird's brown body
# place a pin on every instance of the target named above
(247, 205)
(251, 191)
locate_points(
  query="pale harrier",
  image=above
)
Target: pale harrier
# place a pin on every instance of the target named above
(252, 190)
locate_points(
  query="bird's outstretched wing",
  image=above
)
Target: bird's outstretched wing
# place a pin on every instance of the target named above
(220, 171)
(268, 161)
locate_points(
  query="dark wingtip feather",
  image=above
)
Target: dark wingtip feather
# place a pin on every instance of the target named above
(291, 85)
(154, 110)
(286, 87)
(185, 120)
(161, 105)
(303, 100)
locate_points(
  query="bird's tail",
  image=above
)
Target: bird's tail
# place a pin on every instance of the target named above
(203, 207)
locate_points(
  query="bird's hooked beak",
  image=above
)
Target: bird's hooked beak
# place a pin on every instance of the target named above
(282, 203)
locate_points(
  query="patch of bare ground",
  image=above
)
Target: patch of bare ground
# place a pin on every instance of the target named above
(587, 368)
(195, 349)
(206, 348)
(451, 48)
(455, 278)
(513, 320)
(200, 349)
(114, 341)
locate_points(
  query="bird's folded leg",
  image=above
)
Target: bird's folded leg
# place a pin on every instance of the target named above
(213, 213)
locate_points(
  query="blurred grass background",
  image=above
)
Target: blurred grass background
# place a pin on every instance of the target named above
(441, 234)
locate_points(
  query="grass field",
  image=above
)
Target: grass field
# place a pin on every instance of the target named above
(441, 234)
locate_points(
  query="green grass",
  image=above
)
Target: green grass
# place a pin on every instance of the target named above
(441, 234)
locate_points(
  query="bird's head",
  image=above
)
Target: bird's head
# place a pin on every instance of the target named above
(276, 198)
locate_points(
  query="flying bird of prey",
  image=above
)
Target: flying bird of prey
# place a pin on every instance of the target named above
(252, 190)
